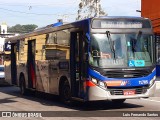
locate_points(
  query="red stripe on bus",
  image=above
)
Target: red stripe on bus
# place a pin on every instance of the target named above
(90, 84)
(32, 76)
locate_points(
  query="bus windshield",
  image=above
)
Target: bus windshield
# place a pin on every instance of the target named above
(121, 50)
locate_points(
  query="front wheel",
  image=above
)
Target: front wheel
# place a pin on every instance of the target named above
(65, 92)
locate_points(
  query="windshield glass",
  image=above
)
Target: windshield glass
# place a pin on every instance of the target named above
(121, 50)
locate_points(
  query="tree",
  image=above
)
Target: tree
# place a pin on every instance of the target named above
(90, 8)
(29, 28)
(22, 28)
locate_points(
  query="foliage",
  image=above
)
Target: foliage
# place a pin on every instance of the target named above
(90, 8)
(22, 28)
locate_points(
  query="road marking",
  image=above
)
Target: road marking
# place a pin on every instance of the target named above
(150, 100)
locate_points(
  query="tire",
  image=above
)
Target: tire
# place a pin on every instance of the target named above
(118, 101)
(23, 89)
(65, 92)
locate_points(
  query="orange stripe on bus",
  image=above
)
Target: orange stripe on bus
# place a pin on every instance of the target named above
(114, 83)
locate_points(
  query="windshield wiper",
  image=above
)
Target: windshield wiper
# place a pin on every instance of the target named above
(134, 41)
(139, 35)
(111, 43)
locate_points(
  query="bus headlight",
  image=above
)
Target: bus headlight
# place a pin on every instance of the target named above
(99, 83)
(102, 84)
(94, 80)
(152, 81)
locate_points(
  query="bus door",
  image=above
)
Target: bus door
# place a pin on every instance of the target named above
(13, 63)
(76, 62)
(31, 64)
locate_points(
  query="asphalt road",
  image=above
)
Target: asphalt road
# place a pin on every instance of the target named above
(11, 100)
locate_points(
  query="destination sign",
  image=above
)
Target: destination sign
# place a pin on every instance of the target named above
(116, 23)
(122, 24)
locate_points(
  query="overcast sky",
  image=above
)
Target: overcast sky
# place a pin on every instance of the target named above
(44, 12)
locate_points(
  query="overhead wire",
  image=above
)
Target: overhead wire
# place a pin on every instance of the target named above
(69, 14)
(25, 12)
(10, 11)
(31, 6)
(35, 4)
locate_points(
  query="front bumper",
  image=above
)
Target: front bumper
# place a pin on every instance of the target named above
(96, 93)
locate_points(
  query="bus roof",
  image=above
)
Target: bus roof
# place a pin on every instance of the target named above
(46, 30)
(37, 32)
(125, 17)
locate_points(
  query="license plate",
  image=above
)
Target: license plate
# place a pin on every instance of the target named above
(129, 92)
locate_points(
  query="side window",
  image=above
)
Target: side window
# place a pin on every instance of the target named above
(58, 45)
(52, 38)
(63, 37)
(60, 38)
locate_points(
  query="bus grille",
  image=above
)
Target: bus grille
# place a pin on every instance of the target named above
(120, 91)
(127, 74)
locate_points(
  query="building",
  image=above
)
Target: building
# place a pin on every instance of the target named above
(3, 34)
(151, 9)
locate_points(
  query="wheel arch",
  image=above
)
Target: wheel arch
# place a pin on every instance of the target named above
(61, 81)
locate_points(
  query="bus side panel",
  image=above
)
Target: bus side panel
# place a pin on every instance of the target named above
(21, 70)
(7, 65)
(22, 61)
(54, 74)
(48, 75)
(42, 76)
